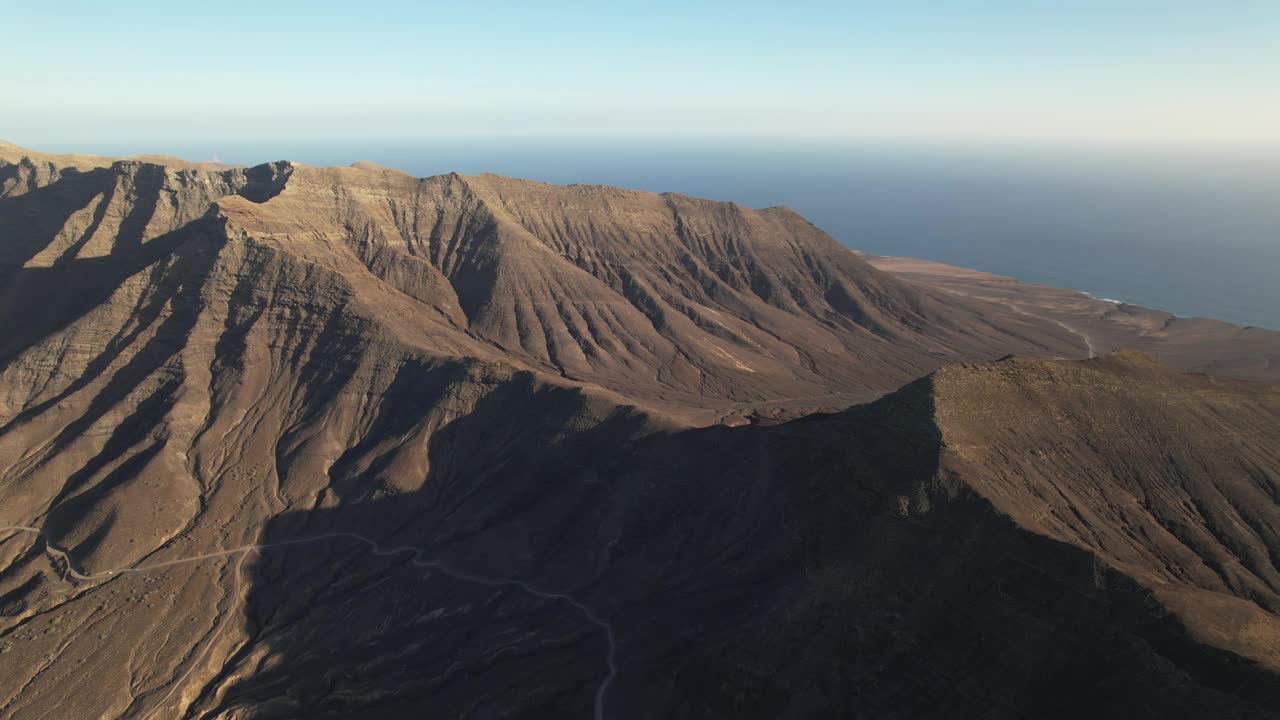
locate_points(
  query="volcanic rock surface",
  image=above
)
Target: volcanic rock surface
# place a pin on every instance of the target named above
(287, 442)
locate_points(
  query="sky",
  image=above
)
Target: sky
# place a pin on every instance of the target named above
(954, 71)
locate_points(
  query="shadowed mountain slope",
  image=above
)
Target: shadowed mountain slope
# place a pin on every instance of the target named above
(296, 442)
(880, 562)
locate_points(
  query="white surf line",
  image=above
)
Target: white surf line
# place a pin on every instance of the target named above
(1088, 343)
(416, 559)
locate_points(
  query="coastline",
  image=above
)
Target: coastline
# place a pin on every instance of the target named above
(921, 268)
(1199, 344)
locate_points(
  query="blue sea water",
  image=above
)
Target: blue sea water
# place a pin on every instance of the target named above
(1195, 233)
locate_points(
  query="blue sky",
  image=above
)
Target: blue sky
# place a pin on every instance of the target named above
(1117, 71)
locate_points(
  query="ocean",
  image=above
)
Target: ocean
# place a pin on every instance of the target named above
(1196, 233)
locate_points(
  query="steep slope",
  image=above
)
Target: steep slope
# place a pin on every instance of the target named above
(707, 310)
(296, 442)
(677, 302)
(750, 298)
(1172, 478)
(874, 563)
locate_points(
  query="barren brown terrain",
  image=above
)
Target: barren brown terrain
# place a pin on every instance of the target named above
(1197, 344)
(297, 442)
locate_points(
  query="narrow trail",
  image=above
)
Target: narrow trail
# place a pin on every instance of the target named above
(1088, 343)
(416, 558)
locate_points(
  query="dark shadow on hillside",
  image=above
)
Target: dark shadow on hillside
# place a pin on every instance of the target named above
(265, 181)
(464, 641)
(818, 568)
(177, 265)
(50, 297)
(29, 222)
(38, 301)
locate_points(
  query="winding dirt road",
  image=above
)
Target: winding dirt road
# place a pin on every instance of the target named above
(417, 559)
(1088, 342)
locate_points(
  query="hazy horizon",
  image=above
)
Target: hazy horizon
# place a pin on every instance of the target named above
(314, 440)
(1138, 72)
(1129, 149)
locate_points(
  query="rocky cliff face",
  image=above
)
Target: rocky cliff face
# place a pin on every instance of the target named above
(296, 442)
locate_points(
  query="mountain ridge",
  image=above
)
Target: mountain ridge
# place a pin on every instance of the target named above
(641, 456)
(688, 338)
